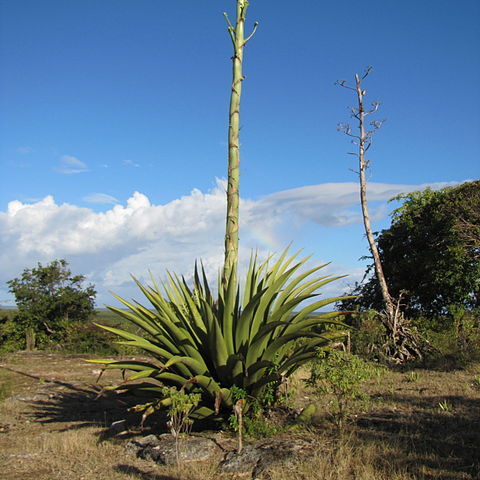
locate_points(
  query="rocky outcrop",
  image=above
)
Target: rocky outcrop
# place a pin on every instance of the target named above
(252, 462)
(255, 459)
(162, 449)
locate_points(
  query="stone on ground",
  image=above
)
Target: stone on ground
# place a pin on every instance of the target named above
(162, 449)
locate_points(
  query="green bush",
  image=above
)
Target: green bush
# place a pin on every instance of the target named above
(74, 337)
(452, 338)
(256, 422)
(48, 298)
(85, 337)
(341, 375)
(456, 339)
(368, 334)
(466, 326)
(181, 407)
(12, 338)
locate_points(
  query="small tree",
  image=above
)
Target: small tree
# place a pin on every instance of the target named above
(363, 141)
(48, 299)
(342, 376)
(401, 344)
(182, 406)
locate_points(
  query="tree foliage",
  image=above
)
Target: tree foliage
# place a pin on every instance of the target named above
(49, 298)
(430, 252)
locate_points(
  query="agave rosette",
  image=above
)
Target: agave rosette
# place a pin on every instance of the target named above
(197, 341)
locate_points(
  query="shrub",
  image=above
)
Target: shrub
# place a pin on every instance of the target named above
(256, 423)
(341, 375)
(12, 337)
(458, 338)
(85, 337)
(368, 334)
(48, 298)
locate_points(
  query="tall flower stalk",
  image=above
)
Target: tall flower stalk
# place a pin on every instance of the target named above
(233, 197)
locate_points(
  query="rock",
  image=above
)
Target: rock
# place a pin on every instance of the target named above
(255, 459)
(135, 446)
(162, 449)
(243, 463)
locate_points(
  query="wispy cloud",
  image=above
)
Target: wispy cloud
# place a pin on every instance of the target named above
(334, 204)
(100, 198)
(131, 163)
(24, 150)
(70, 165)
(19, 164)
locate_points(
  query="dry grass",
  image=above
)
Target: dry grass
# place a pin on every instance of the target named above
(53, 427)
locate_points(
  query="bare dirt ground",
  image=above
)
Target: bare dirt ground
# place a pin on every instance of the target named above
(417, 425)
(53, 423)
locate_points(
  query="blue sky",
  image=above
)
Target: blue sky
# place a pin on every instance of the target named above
(113, 128)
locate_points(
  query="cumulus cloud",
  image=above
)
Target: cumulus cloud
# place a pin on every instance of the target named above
(101, 198)
(140, 236)
(111, 245)
(70, 165)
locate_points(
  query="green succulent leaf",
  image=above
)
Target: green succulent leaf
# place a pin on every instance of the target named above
(205, 344)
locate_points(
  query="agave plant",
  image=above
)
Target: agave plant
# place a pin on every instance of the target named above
(201, 343)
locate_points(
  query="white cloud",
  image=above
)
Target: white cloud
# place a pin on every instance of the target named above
(70, 165)
(140, 236)
(131, 163)
(110, 245)
(102, 198)
(333, 204)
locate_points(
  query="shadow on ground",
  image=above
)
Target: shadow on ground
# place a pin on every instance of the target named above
(141, 475)
(431, 443)
(80, 405)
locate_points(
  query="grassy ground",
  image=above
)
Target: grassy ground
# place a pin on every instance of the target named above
(421, 424)
(8, 312)
(101, 315)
